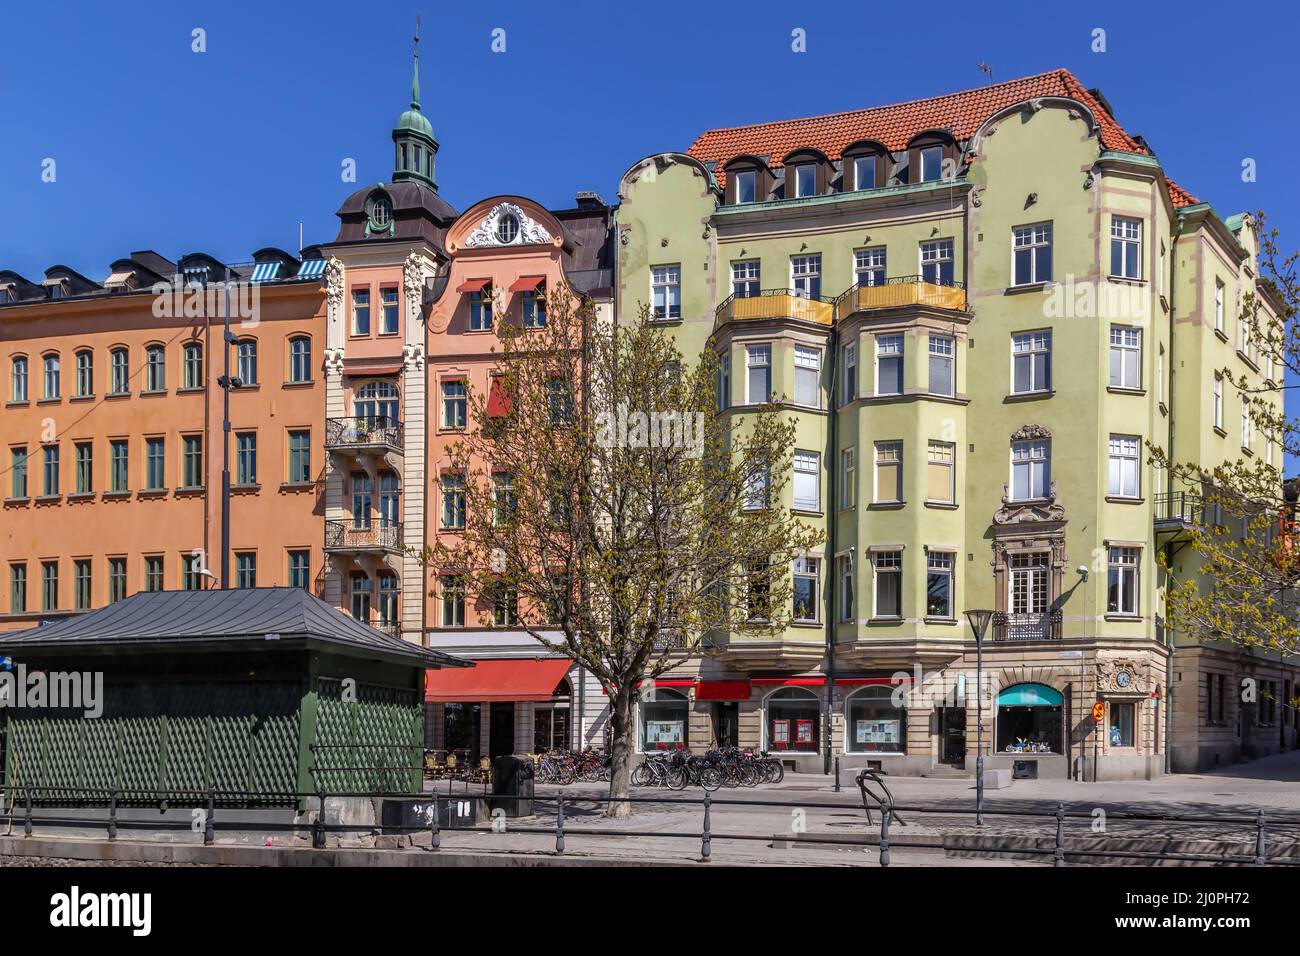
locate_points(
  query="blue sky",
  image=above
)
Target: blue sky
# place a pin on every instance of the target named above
(225, 151)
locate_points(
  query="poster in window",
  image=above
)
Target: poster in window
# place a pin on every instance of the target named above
(878, 731)
(780, 734)
(664, 733)
(803, 731)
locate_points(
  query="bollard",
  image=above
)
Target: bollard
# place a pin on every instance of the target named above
(27, 816)
(1261, 850)
(210, 826)
(888, 808)
(1059, 856)
(706, 846)
(435, 837)
(318, 828)
(112, 815)
(837, 774)
(559, 825)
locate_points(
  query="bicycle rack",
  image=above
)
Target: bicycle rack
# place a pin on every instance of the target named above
(883, 803)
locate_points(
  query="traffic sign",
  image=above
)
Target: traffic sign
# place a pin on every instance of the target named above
(1099, 711)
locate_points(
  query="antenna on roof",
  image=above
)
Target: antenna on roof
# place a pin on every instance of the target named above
(300, 237)
(986, 70)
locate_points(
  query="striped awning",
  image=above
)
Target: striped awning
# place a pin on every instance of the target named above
(120, 278)
(312, 269)
(265, 271)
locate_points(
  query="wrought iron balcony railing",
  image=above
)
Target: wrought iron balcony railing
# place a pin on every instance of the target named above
(350, 536)
(777, 304)
(1045, 626)
(361, 433)
(901, 292)
(1179, 510)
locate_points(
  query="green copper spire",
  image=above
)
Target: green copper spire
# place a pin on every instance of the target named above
(415, 79)
(413, 143)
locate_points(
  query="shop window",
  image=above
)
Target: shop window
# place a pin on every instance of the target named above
(460, 728)
(664, 719)
(551, 721)
(1029, 719)
(1121, 724)
(873, 723)
(790, 720)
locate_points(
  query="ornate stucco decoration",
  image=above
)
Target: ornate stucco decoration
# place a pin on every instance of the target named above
(413, 357)
(530, 232)
(334, 286)
(1122, 675)
(1028, 432)
(414, 273)
(334, 361)
(1024, 512)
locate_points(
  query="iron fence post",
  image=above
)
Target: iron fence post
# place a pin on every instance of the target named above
(210, 825)
(27, 814)
(888, 806)
(706, 845)
(837, 774)
(318, 828)
(112, 815)
(435, 837)
(1059, 856)
(1261, 851)
(559, 825)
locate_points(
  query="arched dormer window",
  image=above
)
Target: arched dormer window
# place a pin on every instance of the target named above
(931, 157)
(807, 174)
(748, 180)
(866, 165)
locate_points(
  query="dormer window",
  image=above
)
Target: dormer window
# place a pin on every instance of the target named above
(931, 164)
(507, 229)
(381, 213)
(864, 172)
(805, 180)
(746, 187)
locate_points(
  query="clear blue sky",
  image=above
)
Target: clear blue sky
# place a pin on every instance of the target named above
(224, 151)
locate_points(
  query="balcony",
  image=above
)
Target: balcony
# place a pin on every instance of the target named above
(380, 537)
(1178, 511)
(363, 436)
(903, 292)
(776, 304)
(1011, 628)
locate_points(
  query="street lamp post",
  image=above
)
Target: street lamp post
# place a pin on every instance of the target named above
(979, 622)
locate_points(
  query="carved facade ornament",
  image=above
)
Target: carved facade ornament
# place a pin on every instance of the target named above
(1024, 512)
(624, 235)
(413, 357)
(414, 273)
(1025, 432)
(334, 361)
(1035, 104)
(1122, 675)
(1090, 180)
(527, 231)
(977, 196)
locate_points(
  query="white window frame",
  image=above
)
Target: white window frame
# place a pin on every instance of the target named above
(807, 568)
(1218, 402)
(799, 170)
(887, 452)
(1124, 475)
(947, 459)
(886, 562)
(805, 272)
(934, 253)
(1037, 458)
(1029, 344)
(850, 384)
(1031, 238)
(666, 277)
(750, 176)
(807, 364)
(757, 356)
(848, 478)
(1122, 564)
(746, 273)
(1126, 233)
(1220, 293)
(944, 349)
(939, 562)
(807, 463)
(891, 348)
(1125, 342)
(846, 595)
(873, 263)
(858, 163)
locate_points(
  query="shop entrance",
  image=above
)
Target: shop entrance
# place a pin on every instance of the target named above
(952, 735)
(726, 723)
(501, 729)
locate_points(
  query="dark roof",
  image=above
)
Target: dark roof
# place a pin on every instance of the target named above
(418, 211)
(212, 617)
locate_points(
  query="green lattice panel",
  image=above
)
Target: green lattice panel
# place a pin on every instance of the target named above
(187, 767)
(366, 745)
(274, 740)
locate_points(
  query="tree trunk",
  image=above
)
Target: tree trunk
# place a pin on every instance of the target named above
(621, 744)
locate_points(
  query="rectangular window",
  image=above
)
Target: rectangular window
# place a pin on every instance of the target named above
(1124, 466)
(931, 164)
(50, 456)
(1031, 362)
(1247, 427)
(846, 587)
(505, 500)
(1031, 254)
(941, 471)
(453, 501)
(848, 477)
(1029, 590)
(1218, 305)
(746, 186)
(116, 580)
(49, 585)
(939, 584)
(889, 365)
(1125, 357)
(889, 471)
(455, 404)
(246, 570)
(191, 580)
(943, 358)
(807, 480)
(388, 592)
(18, 380)
(359, 603)
(193, 365)
(300, 359)
(85, 481)
(887, 567)
(480, 310)
(758, 487)
(155, 369)
(363, 496)
(505, 606)
(759, 381)
(153, 573)
(453, 600)
(81, 584)
(17, 588)
(745, 280)
(19, 472)
(666, 291)
(389, 300)
(724, 382)
(1121, 723)
(360, 311)
(1031, 469)
(192, 461)
(805, 180)
(154, 464)
(864, 172)
(806, 276)
(1126, 247)
(299, 457)
(807, 574)
(869, 266)
(246, 361)
(246, 458)
(119, 474)
(807, 376)
(1122, 581)
(533, 308)
(1218, 402)
(300, 570)
(936, 262)
(850, 374)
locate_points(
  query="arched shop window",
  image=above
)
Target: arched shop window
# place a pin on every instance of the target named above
(551, 721)
(790, 720)
(664, 720)
(874, 724)
(1030, 719)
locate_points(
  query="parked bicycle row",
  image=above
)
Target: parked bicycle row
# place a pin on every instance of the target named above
(728, 767)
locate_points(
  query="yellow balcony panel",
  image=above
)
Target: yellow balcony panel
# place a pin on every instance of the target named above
(776, 304)
(901, 293)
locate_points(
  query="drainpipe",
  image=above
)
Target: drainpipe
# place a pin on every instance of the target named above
(1168, 701)
(832, 505)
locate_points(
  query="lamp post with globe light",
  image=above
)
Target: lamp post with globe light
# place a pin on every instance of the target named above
(979, 623)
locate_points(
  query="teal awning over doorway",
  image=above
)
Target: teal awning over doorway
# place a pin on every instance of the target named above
(1030, 695)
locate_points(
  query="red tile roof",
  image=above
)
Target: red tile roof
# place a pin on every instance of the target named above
(894, 125)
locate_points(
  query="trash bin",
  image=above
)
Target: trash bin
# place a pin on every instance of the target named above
(513, 776)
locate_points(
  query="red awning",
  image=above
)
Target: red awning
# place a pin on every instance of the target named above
(722, 690)
(526, 283)
(873, 681)
(473, 285)
(790, 681)
(499, 404)
(527, 679)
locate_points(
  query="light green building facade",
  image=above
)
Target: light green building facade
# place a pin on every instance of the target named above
(976, 347)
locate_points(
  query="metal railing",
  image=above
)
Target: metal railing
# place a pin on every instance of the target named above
(1179, 509)
(901, 292)
(376, 536)
(1045, 626)
(777, 304)
(361, 432)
